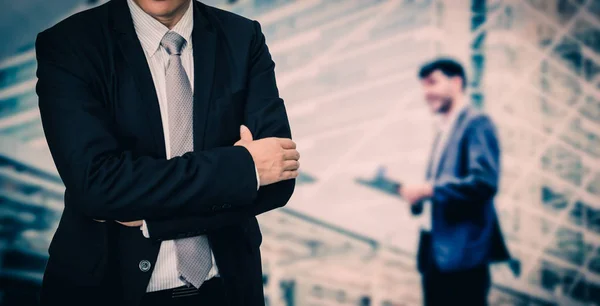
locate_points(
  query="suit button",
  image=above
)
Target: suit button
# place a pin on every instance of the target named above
(144, 265)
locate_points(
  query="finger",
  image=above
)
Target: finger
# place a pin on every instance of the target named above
(291, 155)
(245, 133)
(241, 142)
(288, 175)
(131, 223)
(286, 143)
(290, 165)
(99, 220)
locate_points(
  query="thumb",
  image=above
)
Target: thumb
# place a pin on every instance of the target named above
(245, 133)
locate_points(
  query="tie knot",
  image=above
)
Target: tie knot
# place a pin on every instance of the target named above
(173, 43)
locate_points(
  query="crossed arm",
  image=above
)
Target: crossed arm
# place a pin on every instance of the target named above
(107, 182)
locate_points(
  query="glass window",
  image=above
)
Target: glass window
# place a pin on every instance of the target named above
(14, 105)
(587, 33)
(581, 134)
(568, 245)
(565, 164)
(16, 74)
(591, 109)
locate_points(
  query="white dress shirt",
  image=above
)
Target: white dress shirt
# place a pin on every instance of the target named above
(150, 32)
(445, 126)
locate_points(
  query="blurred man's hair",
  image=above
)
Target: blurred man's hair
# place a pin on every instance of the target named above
(447, 66)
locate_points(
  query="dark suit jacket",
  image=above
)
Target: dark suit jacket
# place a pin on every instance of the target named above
(465, 230)
(101, 118)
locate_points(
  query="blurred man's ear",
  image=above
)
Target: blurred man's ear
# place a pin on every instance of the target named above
(457, 83)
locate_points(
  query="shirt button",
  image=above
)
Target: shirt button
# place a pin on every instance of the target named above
(144, 266)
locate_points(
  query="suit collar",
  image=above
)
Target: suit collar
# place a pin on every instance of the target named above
(445, 124)
(460, 116)
(204, 40)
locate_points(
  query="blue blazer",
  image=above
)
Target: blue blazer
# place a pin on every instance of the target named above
(465, 231)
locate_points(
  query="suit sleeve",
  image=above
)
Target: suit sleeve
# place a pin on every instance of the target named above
(481, 181)
(265, 117)
(105, 181)
(182, 227)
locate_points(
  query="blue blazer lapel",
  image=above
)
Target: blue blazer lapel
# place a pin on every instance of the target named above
(429, 172)
(451, 139)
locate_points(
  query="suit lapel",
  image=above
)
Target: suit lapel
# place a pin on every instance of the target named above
(204, 41)
(449, 140)
(432, 156)
(134, 55)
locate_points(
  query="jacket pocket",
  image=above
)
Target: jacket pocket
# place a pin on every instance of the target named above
(78, 248)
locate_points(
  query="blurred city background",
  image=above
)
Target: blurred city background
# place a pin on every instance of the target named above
(347, 71)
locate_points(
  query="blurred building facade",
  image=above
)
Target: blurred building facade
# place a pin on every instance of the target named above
(347, 71)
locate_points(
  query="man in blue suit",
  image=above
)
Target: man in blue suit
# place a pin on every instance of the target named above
(463, 237)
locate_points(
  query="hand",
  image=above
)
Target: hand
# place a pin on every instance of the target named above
(276, 159)
(129, 224)
(415, 193)
(137, 223)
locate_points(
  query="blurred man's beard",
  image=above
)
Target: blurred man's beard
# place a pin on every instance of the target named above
(446, 106)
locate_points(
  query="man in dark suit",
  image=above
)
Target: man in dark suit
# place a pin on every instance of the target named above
(463, 237)
(151, 110)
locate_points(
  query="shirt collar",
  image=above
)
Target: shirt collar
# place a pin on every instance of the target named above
(446, 123)
(150, 31)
